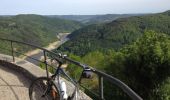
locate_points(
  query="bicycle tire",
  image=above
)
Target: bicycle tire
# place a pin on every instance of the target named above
(40, 86)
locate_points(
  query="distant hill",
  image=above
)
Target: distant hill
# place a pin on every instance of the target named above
(34, 28)
(115, 34)
(93, 19)
(80, 18)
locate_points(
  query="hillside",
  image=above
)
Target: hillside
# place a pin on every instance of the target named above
(144, 65)
(115, 34)
(34, 29)
(93, 19)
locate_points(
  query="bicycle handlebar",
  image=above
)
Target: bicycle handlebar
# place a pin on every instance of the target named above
(84, 66)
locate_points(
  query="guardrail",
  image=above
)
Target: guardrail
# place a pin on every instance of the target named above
(100, 74)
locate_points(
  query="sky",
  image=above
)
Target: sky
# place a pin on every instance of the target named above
(82, 7)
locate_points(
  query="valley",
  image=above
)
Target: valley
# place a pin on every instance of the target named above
(131, 47)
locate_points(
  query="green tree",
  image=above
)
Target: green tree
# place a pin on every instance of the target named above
(147, 63)
(73, 70)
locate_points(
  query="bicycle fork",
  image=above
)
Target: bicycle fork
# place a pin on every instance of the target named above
(46, 91)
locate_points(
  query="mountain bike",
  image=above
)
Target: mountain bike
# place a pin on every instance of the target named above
(54, 87)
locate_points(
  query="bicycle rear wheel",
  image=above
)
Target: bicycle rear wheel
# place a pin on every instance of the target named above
(43, 89)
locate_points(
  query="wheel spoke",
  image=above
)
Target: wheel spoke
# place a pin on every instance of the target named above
(42, 90)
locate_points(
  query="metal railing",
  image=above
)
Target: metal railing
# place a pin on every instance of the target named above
(100, 74)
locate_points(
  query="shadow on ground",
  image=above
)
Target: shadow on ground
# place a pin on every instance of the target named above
(13, 85)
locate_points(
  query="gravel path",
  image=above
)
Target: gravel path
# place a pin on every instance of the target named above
(13, 85)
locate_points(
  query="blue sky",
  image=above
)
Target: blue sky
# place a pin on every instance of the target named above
(82, 7)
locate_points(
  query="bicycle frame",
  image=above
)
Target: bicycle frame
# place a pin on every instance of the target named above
(57, 74)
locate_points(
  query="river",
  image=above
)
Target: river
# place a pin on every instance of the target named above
(37, 54)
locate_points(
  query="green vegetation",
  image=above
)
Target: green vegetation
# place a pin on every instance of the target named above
(127, 50)
(34, 29)
(116, 34)
(50, 68)
(148, 64)
(144, 66)
(123, 48)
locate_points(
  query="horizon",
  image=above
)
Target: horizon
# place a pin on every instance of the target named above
(82, 7)
(84, 14)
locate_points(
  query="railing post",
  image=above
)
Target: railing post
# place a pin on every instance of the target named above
(45, 62)
(12, 49)
(101, 87)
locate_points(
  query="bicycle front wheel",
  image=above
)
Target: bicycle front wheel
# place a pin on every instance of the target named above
(43, 89)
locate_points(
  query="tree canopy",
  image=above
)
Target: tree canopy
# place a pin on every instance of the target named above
(144, 66)
(34, 29)
(116, 34)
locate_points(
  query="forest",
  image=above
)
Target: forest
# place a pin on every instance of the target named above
(116, 34)
(144, 65)
(34, 29)
(135, 50)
